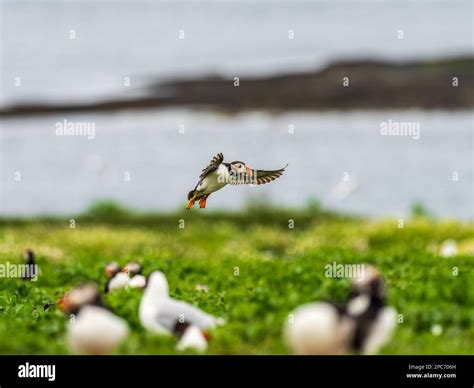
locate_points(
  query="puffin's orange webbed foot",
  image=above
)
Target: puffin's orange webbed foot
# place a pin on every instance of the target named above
(190, 204)
(202, 202)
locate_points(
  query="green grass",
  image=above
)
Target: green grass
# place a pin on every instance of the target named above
(279, 269)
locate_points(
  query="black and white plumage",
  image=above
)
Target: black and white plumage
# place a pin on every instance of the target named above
(190, 337)
(134, 270)
(138, 281)
(361, 325)
(129, 276)
(160, 313)
(375, 321)
(92, 328)
(111, 269)
(85, 294)
(120, 280)
(219, 174)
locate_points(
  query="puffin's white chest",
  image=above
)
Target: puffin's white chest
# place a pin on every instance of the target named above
(214, 181)
(96, 331)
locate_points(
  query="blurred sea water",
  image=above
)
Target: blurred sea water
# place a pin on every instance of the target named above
(341, 158)
(139, 40)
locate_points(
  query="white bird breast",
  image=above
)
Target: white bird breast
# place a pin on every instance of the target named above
(315, 329)
(138, 281)
(358, 305)
(96, 331)
(381, 331)
(214, 181)
(119, 281)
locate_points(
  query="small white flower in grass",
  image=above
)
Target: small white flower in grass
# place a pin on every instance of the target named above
(202, 287)
(436, 330)
(448, 248)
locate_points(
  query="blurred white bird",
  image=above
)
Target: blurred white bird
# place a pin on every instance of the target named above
(160, 313)
(96, 331)
(134, 271)
(362, 325)
(121, 278)
(138, 281)
(111, 269)
(92, 329)
(318, 328)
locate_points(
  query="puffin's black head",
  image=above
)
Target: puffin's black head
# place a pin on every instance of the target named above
(132, 269)
(111, 269)
(240, 168)
(80, 296)
(370, 284)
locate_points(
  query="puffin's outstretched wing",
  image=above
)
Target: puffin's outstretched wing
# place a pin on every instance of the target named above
(259, 177)
(213, 164)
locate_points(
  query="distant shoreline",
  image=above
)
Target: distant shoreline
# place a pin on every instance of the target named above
(363, 84)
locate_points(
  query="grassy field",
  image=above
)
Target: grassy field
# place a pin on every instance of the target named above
(278, 268)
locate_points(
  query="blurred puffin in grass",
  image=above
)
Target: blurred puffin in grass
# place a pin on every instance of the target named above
(92, 328)
(129, 276)
(362, 324)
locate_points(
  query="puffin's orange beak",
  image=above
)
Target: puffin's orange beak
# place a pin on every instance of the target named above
(62, 304)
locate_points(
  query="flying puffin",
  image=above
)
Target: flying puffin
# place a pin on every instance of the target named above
(218, 174)
(363, 324)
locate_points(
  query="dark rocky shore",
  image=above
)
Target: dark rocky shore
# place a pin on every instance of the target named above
(371, 85)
